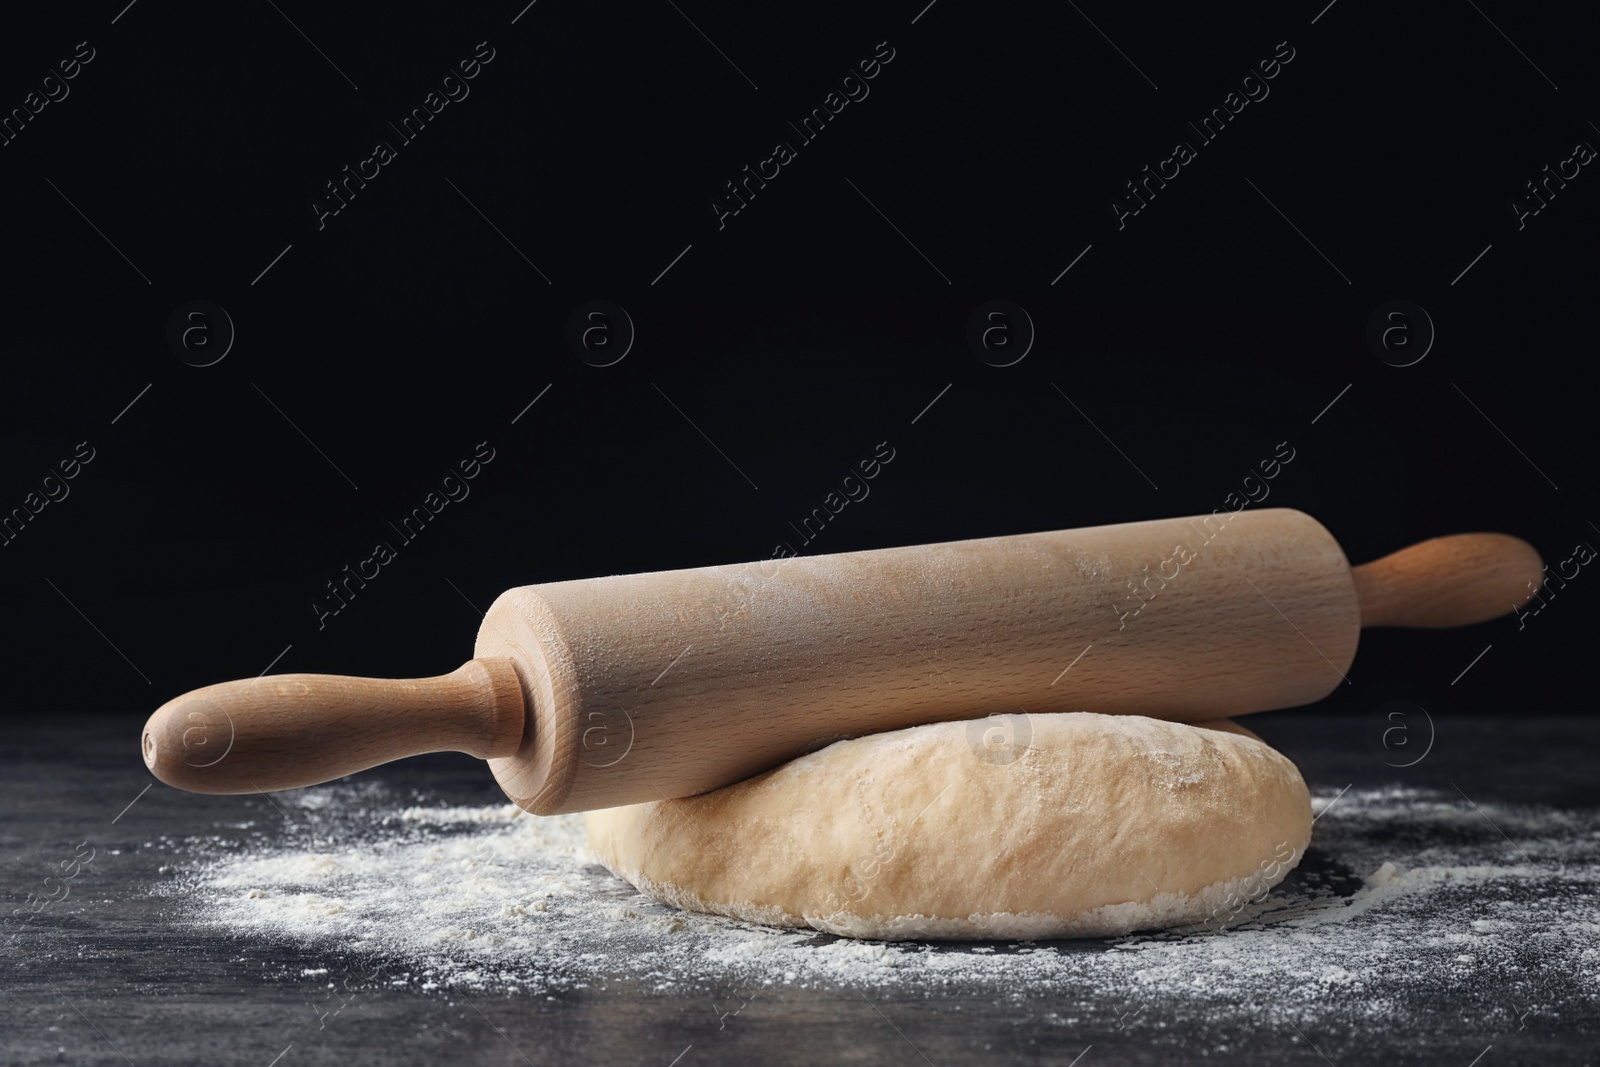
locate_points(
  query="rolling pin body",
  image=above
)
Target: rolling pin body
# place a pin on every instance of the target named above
(669, 684)
(607, 691)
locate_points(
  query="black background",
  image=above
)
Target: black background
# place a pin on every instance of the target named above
(796, 338)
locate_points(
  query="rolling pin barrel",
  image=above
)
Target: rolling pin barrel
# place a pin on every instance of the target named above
(669, 684)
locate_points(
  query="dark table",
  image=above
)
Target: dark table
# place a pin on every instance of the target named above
(111, 974)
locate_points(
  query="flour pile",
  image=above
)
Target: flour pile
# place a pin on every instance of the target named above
(1402, 892)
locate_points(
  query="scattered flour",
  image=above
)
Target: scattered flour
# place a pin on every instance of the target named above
(1402, 894)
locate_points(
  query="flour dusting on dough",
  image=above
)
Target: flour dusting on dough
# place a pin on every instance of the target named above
(1058, 825)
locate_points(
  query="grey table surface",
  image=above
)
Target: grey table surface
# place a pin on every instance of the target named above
(111, 974)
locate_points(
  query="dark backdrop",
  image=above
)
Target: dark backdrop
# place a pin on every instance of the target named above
(373, 350)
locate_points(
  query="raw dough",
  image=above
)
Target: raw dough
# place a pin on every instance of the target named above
(1020, 826)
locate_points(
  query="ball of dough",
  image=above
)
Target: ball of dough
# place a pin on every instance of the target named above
(1019, 826)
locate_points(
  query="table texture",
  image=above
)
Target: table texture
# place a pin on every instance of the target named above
(1445, 913)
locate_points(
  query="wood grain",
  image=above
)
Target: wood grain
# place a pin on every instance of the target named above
(707, 676)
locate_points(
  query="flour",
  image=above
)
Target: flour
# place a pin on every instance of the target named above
(1401, 893)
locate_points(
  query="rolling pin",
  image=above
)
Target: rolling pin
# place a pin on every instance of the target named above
(606, 691)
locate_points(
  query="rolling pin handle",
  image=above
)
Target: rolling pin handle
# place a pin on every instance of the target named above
(290, 730)
(1449, 581)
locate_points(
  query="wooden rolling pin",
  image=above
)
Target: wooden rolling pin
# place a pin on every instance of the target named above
(606, 691)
